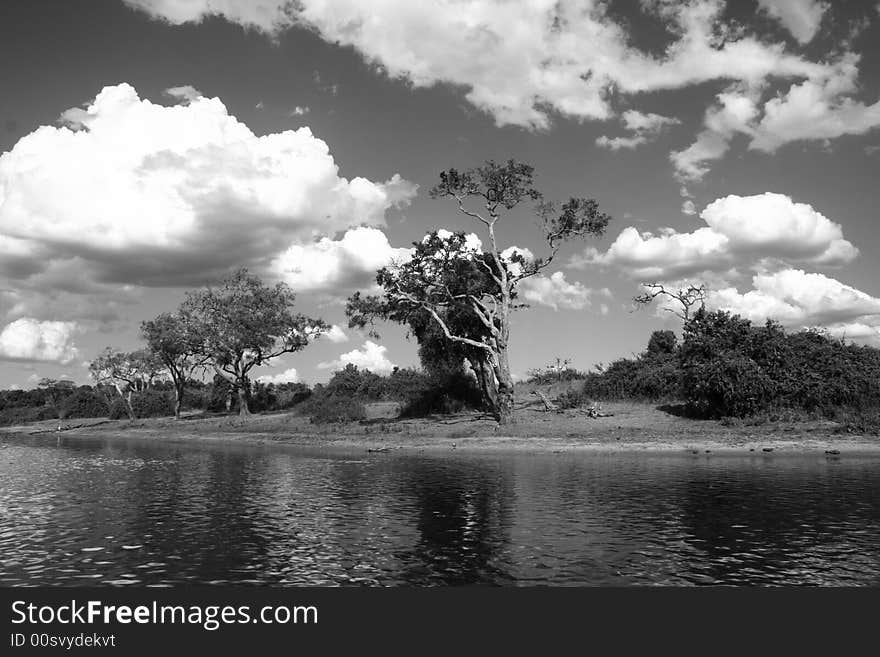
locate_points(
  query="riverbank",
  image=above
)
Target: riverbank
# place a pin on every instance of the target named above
(630, 427)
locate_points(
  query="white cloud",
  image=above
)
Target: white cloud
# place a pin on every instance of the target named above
(800, 17)
(556, 292)
(818, 108)
(30, 340)
(287, 376)
(342, 265)
(186, 93)
(153, 195)
(688, 207)
(798, 299)
(336, 335)
(740, 232)
(370, 356)
(735, 107)
(300, 111)
(518, 59)
(645, 128)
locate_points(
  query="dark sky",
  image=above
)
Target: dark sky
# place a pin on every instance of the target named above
(377, 122)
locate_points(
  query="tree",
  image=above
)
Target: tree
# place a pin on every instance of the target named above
(126, 372)
(178, 346)
(440, 357)
(686, 297)
(56, 391)
(243, 324)
(431, 279)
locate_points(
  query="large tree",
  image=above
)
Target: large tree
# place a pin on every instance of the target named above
(244, 323)
(125, 372)
(179, 346)
(427, 281)
(438, 355)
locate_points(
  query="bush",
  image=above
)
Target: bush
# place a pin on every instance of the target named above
(147, 403)
(85, 402)
(733, 386)
(152, 403)
(334, 410)
(441, 393)
(118, 409)
(23, 414)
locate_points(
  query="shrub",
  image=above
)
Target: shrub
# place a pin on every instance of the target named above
(118, 409)
(441, 393)
(23, 414)
(152, 403)
(333, 410)
(731, 385)
(85, 402)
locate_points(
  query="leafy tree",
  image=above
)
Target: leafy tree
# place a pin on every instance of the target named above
(432, 279)
(56, 391)
(125, 372)
(662, 342)
(179, 346)
(243, 324)
(440, 357)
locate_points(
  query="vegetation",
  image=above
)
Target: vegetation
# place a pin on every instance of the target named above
(469, 292)
(243, 324)
(726, 367)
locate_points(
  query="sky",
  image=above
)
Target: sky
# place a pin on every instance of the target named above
(149, 147)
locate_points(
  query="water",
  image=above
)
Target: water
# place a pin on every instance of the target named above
(97, 512)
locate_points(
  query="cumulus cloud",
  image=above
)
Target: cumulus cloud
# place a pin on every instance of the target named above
(518, 59)
(800, 17)
(336, 334)
(556, 292)
(287, 376)
(688, 207)
(27, 339)
(185, 94)
(346, 264)
(741, 231)
(819, 108)
(370, 356)
(798, 299)
(152, 195)
(644, 128)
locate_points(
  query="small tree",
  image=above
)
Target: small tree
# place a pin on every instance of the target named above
(684, 299)
(427, 280)
(178, 346)
(243, 324)
(125, 372)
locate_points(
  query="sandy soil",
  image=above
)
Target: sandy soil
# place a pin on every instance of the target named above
(633, 427)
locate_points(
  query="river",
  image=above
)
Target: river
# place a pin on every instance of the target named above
(83, 511)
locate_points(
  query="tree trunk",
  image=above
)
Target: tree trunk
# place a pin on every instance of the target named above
(486, 379)
(178, 398)
(128, 406)
(243, 410)
(504, 396)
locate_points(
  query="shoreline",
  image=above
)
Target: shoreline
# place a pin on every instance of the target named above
(633, 429)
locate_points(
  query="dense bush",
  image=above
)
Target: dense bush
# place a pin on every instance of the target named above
(152, 403)
(440, 393)
(333, 410)
(118, 409)
(726, 367)
(652, 376)
(419, 393)
(14, 415)
(730, 367)
(85, 402)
